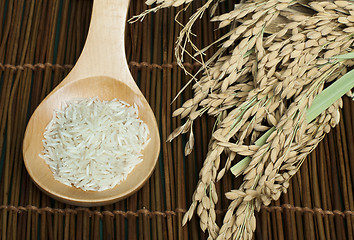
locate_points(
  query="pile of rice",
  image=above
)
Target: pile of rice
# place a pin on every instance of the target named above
(93, 144)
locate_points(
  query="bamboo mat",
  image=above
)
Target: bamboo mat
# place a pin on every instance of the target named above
(40, 42)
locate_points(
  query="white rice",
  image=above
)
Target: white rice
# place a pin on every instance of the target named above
(93, 144)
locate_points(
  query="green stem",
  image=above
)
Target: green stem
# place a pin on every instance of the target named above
(321, 102)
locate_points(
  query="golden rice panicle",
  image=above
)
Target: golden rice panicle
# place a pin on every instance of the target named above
(268, 69)
(205, 197)
(312, 135)
(160, 4)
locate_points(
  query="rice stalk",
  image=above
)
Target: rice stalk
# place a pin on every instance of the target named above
(269, 68)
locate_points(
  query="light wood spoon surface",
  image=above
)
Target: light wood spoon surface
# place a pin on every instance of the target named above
(101, 71)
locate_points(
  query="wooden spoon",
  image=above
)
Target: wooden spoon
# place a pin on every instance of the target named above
(101, 71)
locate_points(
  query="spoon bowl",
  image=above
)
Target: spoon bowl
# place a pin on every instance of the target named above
(102, 72)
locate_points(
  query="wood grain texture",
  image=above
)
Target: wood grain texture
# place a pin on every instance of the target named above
(100, 71)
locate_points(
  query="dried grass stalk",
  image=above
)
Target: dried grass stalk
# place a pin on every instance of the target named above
(275, 59)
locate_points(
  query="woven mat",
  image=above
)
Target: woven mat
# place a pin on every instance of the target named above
(39, 43)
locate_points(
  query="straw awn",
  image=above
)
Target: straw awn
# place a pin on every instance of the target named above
(263, 85)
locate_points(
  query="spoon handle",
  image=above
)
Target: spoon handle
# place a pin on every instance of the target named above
(104, 50)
